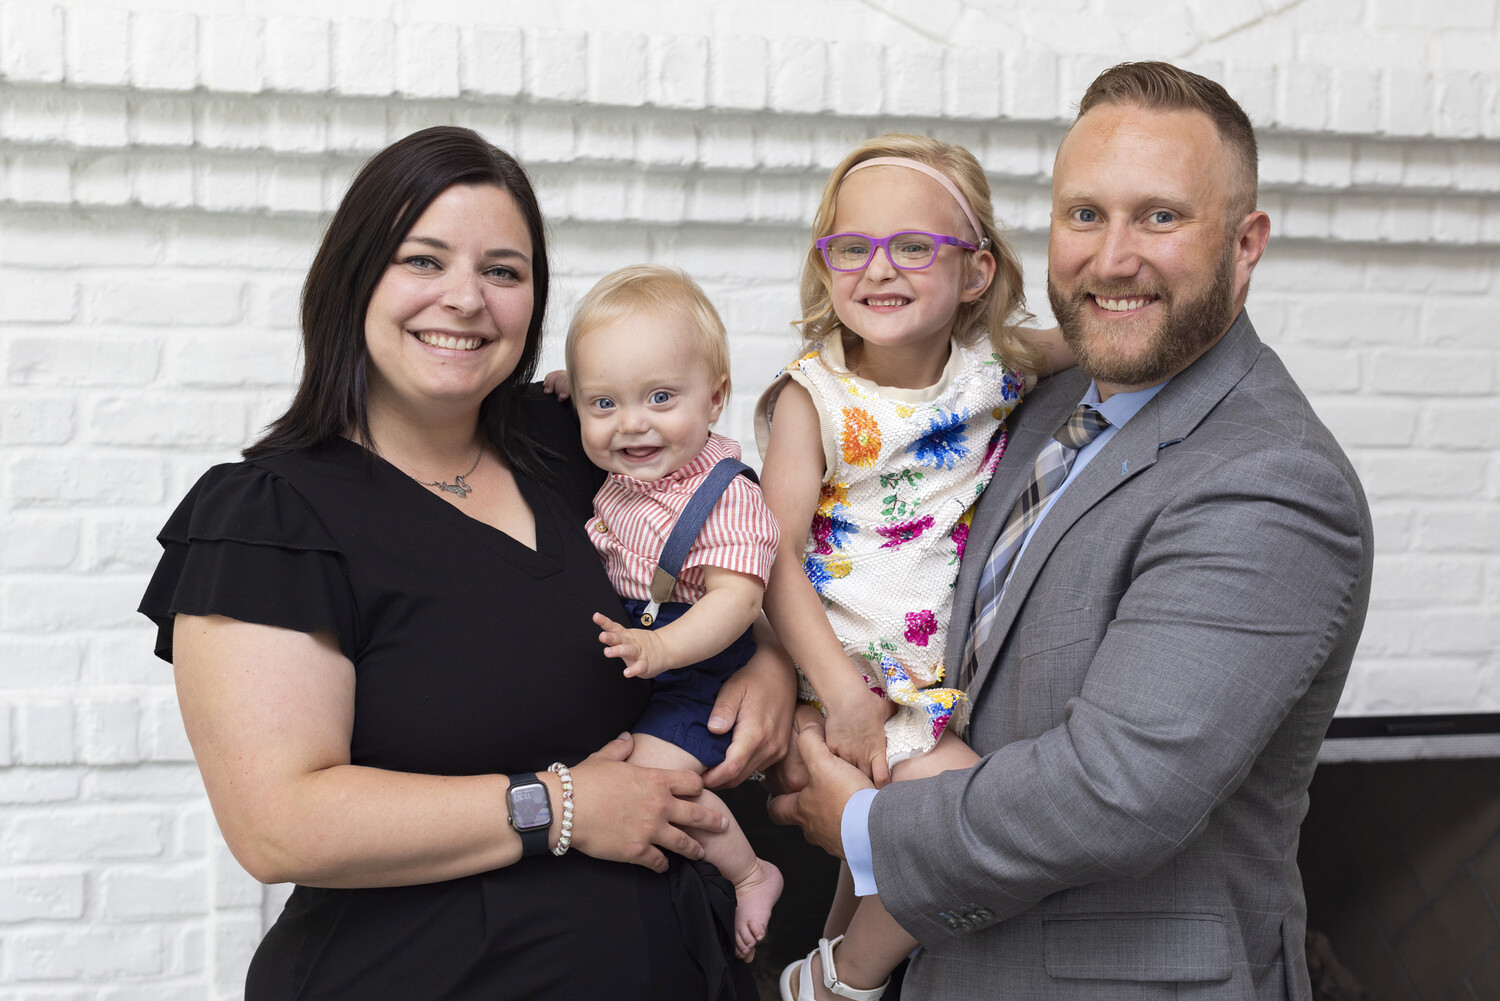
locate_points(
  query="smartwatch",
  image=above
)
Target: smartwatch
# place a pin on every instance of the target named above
(530, 812)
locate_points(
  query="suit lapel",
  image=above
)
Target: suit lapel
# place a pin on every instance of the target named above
(1030, 426)
(1170, 417)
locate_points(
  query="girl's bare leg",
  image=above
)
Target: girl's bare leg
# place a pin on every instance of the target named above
(841, 912)
(757, 883)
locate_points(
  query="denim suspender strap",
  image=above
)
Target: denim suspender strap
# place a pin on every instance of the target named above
(689, 524)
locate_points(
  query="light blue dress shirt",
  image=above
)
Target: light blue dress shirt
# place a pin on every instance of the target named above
(854, 826)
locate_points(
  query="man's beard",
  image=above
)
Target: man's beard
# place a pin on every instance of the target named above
(1184, 331)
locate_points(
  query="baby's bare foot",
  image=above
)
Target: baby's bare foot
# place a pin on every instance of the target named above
(754, 895)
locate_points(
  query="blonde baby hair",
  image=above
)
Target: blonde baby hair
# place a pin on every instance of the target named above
(994, 314)
(660, 291)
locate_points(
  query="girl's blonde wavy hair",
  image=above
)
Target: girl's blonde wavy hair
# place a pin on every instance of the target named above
(995, 314)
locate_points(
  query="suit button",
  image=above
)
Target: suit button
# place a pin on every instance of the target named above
(959, 923)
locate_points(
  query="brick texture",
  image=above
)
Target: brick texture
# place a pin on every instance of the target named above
(166, 169)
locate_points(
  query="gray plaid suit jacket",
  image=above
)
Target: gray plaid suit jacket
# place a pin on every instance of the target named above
(1149, 706)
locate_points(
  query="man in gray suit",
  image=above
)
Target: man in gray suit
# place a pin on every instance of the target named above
(1167, 601)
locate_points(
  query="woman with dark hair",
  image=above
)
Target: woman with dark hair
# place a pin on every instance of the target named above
(369, 618)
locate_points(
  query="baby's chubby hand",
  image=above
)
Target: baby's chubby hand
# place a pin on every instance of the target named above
(640, 649)
(557, 384)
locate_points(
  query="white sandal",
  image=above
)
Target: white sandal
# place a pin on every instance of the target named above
(830, 978)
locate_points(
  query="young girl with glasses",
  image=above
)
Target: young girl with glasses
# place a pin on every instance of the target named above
(877, 443)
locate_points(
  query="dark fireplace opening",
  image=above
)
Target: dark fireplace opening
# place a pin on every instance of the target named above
(1401, 863)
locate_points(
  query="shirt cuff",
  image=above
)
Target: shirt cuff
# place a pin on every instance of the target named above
(854, 831)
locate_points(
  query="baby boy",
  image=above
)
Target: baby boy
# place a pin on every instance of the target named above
(648, 368)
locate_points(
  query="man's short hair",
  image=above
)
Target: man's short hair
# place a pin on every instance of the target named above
(660, 291)
(1159, 86)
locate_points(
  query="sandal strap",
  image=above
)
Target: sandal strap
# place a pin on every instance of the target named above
(831, 976)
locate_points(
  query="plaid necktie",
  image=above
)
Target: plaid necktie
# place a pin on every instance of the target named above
(1047, 474)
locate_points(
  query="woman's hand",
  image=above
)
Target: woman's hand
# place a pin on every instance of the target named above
(627, 813)
(855, 731)
(757, 701)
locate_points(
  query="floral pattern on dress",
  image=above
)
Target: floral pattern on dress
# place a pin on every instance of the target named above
(961, 533)
(861, 438)
(832, 531)
(993, 452)
(904, 531)
(936, 704)
(816, 573)
(944, 442)
(820, 571)
(920, 626)
(831, 496)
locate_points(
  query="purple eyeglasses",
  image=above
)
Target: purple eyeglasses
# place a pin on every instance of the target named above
(912, 250)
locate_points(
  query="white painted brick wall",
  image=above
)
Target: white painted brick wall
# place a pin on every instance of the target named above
(165, 169)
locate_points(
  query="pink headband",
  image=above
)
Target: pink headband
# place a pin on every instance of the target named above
(936, 175)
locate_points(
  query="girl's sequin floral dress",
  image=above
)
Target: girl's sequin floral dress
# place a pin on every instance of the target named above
(904, 468)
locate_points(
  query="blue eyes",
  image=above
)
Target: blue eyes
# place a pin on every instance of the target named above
(1161, 217)
(659, 397)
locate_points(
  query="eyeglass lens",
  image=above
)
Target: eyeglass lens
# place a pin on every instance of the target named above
(909, 251)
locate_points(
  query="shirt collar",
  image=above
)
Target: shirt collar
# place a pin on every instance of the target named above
(1121, 407)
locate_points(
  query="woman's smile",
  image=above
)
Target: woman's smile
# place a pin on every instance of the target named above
(451, 342)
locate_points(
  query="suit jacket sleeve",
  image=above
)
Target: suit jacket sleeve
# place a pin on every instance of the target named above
(1235, 600)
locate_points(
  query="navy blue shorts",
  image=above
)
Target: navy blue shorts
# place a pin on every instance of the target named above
(681, 700)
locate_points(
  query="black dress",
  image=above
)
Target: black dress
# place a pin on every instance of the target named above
(472, 655)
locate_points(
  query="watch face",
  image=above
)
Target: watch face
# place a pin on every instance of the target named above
(529, 808)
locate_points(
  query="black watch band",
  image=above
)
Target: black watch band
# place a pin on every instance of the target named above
(530, 809)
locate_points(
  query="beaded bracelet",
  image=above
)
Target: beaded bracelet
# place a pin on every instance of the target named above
(565, 838)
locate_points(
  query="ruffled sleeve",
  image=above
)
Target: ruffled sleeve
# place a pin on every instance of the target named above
(245, 544)
(765, 407)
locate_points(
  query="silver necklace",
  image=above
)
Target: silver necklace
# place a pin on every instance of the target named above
(458, 487)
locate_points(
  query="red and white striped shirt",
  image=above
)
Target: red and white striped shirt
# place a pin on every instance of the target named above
(632, 519)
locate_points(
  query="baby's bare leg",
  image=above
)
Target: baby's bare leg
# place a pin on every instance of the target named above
(874, 942)
(757, 883)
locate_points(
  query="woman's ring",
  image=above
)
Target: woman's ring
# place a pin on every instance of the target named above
(757, 776)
